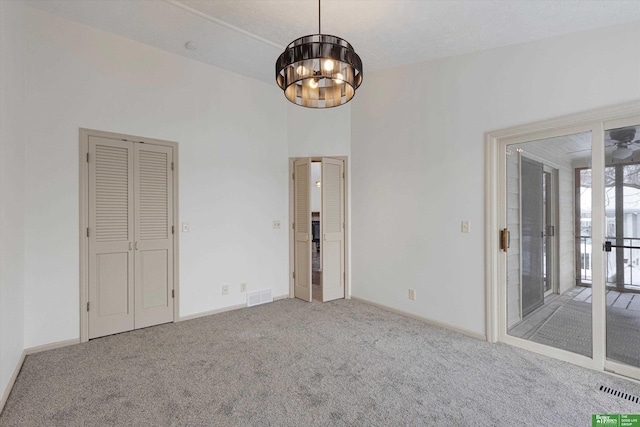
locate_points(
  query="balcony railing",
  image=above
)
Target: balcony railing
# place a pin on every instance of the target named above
(631, 262)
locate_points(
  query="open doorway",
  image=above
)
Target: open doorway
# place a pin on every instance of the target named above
(318, 255)
(316, 217)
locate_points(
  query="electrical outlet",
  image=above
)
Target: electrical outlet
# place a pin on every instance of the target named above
(225, 289)
(412, 294)
(276, 223)
(243, 287)
(465, 227)
(185, 227)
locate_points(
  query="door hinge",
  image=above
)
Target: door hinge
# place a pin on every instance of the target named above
(344, 276)
(173, 229)
(87, 231)
(87, 157)
(294, 274)
(88, 305)
(342, 175)
(173, 293)
(171, 165)
(293, 225)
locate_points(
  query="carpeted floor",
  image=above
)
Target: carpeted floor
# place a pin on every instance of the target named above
(292, 363)
(569, 328)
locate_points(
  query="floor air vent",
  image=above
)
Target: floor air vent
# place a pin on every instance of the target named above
(620, 394)
(259, 297)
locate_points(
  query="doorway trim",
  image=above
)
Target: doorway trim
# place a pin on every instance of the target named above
(496, 141)
(84, 135)
(347, 227)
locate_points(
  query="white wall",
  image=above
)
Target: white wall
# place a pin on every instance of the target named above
(316, 133)
(233, 166)
(418, 158)
(12, 131)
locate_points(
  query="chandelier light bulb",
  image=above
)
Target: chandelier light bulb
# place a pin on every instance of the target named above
(328, 65)
(313, 83)
(339, 79)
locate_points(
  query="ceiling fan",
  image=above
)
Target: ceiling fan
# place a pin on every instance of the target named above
(621, 139)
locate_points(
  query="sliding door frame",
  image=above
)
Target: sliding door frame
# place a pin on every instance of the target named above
(84, 219)
(495, 260)
(609, 365)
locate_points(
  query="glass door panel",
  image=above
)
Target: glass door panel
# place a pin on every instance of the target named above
(549, 197)
(622, 209)
(548, 259)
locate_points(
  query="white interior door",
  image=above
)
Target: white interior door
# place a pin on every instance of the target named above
(332, 229)
(302, 229)
(153, 235)
(111, 232)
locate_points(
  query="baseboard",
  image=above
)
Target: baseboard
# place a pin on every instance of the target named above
(51, 346)
(12, 380)
(210, 312)
(25, 353)
(463, 331)
(223, 310)
(278, 298)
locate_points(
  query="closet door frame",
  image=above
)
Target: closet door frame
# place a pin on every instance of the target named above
(84, 219)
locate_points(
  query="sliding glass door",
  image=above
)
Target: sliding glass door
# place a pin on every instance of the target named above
(622, 209)
(544, 303)
(570, 243)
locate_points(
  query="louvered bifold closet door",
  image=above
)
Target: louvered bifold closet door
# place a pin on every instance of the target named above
(111, 225)
(153, 235)
(302, 231)
(333, 256)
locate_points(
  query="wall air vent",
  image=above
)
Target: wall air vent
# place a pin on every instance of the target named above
(259, 297)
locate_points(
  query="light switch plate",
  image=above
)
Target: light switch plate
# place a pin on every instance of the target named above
(185, 227)
(466, 226)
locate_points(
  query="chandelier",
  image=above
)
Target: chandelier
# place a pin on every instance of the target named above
(319, 70)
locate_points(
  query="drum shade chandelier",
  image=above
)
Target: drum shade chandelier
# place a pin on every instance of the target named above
(319, 70)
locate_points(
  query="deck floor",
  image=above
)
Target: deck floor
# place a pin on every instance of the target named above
(532, 322)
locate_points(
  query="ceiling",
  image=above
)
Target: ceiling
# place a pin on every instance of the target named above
(246, 36)
(577, 147)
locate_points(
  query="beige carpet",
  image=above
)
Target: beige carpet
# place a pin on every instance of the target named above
(291, 363)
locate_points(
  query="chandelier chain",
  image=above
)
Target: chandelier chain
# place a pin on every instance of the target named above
(319, 32)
